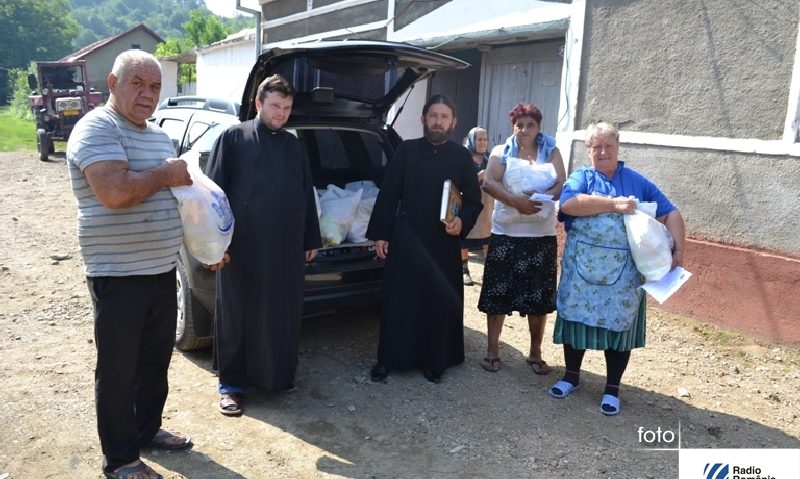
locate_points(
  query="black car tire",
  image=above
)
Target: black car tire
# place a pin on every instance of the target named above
(42, 144)
(185, 338)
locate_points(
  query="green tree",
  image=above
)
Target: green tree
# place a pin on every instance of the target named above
(202, 28)
(103, 18)
(33, 30)
(18, 83)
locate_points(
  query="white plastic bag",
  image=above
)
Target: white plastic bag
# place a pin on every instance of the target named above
(523, 177)
(369, 193)
(316, 203)
(650, 244)
(206, 216)
(369, 188)
(338, 212)
(358, 230)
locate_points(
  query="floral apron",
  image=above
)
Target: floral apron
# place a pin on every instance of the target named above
(599, 280)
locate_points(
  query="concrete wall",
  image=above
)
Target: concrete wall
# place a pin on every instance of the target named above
(406, 11)
(733, 198)
(720, 69)
(99, 62)
(690, 67)
(335, 19)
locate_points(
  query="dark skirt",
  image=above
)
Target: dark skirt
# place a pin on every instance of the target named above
(519, 275)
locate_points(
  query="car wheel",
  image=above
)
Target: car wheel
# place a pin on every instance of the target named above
(185, 338)
(42, 144)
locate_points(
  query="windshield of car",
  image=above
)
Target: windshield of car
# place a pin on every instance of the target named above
(61, 77)
(202, 134)
(308, 74)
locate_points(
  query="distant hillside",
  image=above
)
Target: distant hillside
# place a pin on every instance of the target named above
(100, 19)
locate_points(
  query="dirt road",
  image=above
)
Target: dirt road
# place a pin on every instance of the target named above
(720, 389)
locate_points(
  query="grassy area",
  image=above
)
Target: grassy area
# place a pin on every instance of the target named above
(16, 134)
(718, 335)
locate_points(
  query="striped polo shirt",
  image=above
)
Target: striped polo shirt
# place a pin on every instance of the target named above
(139, 240)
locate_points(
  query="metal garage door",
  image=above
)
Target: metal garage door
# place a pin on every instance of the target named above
(529, 73)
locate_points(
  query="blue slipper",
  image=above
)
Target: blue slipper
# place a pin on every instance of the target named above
(562, 389)
(609, 405)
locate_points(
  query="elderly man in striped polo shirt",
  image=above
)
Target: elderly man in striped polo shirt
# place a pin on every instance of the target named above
(129, 230)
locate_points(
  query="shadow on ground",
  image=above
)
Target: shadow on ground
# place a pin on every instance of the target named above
(475, 424)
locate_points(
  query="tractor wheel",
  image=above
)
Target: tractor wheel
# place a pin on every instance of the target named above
(42, 144)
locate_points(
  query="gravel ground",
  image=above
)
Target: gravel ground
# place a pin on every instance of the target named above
(718, 388)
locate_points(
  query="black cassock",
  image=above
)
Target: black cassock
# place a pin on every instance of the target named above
(423, 291)
(267, 179)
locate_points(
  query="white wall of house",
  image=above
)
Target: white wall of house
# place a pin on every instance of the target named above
(222, 70)
(408, 125)
(169, 79)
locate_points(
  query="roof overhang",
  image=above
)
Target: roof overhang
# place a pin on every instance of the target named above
(473, 23)
(189, 56)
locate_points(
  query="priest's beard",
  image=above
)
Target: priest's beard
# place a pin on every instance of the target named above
(438, 136)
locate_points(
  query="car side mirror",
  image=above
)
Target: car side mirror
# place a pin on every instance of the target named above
(32, 83)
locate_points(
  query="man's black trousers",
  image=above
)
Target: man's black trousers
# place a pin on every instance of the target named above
(134, 332)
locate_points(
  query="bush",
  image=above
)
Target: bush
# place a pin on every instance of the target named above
(20, 91)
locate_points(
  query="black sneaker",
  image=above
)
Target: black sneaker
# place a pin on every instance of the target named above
(379, 373)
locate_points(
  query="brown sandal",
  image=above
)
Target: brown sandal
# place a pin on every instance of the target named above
(538, 366)
(230, 404)
(491, 364)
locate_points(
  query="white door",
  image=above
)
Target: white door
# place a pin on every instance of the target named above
(528, 73)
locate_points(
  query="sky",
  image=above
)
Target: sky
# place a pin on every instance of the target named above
(227, 8)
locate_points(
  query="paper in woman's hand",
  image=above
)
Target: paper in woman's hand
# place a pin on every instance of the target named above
(548, 205)
(662, 289)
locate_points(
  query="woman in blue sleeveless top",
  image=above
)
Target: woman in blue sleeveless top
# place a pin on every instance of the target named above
(600, 305)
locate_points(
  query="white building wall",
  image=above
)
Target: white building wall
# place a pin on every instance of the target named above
(222, 70)
(409, 124)
(169, 79)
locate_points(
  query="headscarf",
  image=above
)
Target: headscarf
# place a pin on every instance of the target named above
(544, 147)
(470, 144)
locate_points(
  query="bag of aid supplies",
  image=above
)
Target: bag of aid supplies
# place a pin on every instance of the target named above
(206, 216)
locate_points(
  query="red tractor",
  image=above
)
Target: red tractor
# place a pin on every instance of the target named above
(60, 98)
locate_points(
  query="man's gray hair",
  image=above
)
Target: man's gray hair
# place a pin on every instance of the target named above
(132, 57)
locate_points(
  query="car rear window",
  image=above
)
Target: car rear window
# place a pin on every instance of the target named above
(353, 82)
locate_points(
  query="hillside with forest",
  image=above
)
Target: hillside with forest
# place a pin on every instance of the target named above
(100, 19)
(47, 30)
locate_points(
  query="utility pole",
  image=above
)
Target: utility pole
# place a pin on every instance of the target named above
(257, 14)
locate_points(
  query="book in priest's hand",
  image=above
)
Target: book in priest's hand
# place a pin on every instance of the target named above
(451, 202)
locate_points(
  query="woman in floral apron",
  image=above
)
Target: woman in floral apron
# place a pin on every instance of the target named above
(600, 305)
